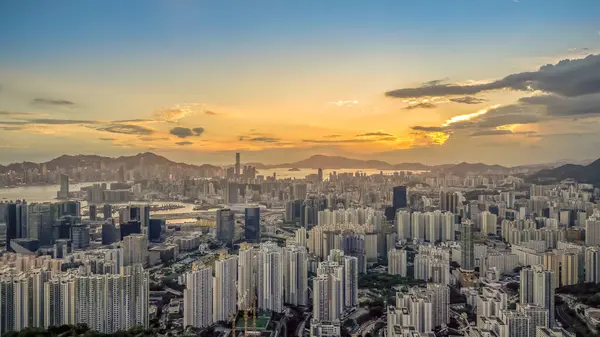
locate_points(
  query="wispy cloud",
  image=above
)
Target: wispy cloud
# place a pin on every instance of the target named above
(48, 101)
(127, 129)
(466, 117)
(350, 103)
(374, 134)
(422, 105)
(468, 100)
(184, 143)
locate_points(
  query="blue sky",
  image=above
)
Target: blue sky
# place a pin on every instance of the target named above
(268, 61)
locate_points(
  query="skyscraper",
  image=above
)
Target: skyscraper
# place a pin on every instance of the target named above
(399, 197)
(16, 221)
(350, 281)
(237, 164)
(225, 225)
(467, 246)
(252, 224)
(592, 231)
(592, 264)
(40, 220)
(397, 262)
(63, 193)
(295, 275)
(320, 174)
(449, 201)
(270, 277)
(198, 297)
(156, 228)
(224, 289)
(135, 249)
(107, 211)
(537, 289)
(247, 277)
(60, 301)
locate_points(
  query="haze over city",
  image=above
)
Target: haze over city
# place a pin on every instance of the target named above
(421, 81)
(424, 168)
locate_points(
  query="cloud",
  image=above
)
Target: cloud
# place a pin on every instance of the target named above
(337, 141)
(181, 132)
(570, 78)
(210, 113)
(263, 139)
(468, 100)
(184, 143)
(429, 128)
(374, 134)
(422, 105)
(11, 128)
(106, 139)
(178, 112)
(349, 103)
(491, 133)
(52, 121)
(564, 106)
(47, 101)
(332, 136)
(186, 132)
(127, 129)
(18, 114)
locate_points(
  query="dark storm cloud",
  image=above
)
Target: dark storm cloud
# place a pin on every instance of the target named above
(374, 134)
(558, 106)
(47, 101)
(468, 100)
(184, 143)
(186, 132)
(127, 129)
(423, 105)
(570, 78)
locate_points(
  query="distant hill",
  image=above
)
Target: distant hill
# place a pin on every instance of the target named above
(582, 173)
(129, 162)
(338, 162)
(313, 162)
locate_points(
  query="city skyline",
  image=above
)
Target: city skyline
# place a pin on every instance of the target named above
(281, 82)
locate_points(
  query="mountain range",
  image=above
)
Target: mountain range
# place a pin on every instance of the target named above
(582, 173)
(543, 172)
(68, 162)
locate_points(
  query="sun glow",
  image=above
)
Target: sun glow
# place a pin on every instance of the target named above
(462, 118)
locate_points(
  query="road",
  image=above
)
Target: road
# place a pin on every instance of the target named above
(368, 327)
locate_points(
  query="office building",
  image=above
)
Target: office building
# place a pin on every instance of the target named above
(450, 201)
(156, 229)
(295, 275)
(130, 228)
(399, 197)
(198, 297)
(270, 277)
(107, 211)
(252, 224)
(224, 289)
(92, 212)
(63, 193)
(80, 236)
(237, 164)
(41, 217)
(225, 226)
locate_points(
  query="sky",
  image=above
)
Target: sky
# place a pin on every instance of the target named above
(508, 82)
